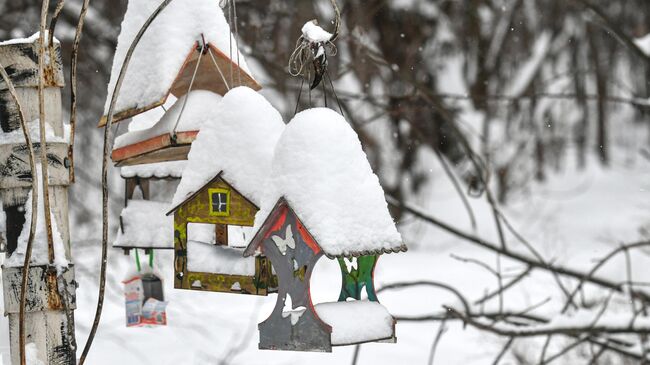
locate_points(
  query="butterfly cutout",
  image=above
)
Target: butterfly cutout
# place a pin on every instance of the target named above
(351, 264)
(285, 242)
(289, 310)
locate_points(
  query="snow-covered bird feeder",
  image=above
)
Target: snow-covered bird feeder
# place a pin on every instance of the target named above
(144, 300)
(221, 189)
(189, 46)
(322, 198)
(143, 223)
(159, 136)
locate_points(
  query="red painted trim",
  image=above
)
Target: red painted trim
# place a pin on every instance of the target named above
(307, 237)
(278, 223)
(152, 144)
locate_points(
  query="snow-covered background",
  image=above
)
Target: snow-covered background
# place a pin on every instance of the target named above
(572, 201)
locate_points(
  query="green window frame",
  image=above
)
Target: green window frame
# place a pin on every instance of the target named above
(219, 212)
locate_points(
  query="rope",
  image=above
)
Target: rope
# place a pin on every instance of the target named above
(189, 89)
(214, 62)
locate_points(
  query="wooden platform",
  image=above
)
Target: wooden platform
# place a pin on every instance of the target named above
(157, 149)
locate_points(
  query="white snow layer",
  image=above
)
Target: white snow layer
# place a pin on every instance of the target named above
(199, 108)
(240, 145)
(33, 127)
(356, 321)
(31, 39)
(31, 355)
(315, 33)
(160, 54)
(159, 170)
(321, 170)
(146, 225)
(202, 257)
(40, 244)
(644, 44)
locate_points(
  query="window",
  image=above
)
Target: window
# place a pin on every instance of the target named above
(219, 202)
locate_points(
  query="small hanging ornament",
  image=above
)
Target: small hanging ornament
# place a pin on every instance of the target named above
(144, 299)
(313, 48)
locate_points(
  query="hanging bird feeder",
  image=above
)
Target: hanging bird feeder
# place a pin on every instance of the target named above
(218, 196)
(172, 133)
(144, 297)
(323, 200)
(143, 223)
(174, 58)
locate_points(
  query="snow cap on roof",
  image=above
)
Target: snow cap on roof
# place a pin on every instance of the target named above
(161, 52)
(200, 108)
(321, 170)
(240, 145)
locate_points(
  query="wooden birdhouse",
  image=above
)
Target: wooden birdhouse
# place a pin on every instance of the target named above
(323, 200)
(187, 47)
(220, 190)
(143, 223)
(170, 134)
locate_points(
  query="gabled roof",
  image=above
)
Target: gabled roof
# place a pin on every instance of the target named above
(320, 169)
(175, 207)
(239, 145)
(167, 55)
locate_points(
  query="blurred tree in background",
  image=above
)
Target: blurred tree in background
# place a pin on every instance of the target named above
(518, 86)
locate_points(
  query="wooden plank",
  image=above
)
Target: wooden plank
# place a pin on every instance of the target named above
(152, 144)
(40, 296)
(175, 153)
(9, 119)
(21, 63)
(15, 171)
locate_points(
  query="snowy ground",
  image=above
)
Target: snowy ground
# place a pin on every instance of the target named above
(572, 218)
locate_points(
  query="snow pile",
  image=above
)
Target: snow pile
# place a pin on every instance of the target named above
(149, 118)
(356, 321)
(31, 39)
(321, 170)
(315, 33)
(33, 127)
(40, 245)
(160, 55)
(202, 257)
(200, 108)
(644, 44)
(31, 355)
(240, 145)
(146, 225)
(159, 170)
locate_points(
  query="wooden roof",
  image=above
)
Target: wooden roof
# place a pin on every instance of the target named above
(213, 74)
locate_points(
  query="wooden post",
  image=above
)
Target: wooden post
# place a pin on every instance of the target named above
(46, 322)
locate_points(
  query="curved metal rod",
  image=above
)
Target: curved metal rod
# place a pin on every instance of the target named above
(32, 225)
(107, 137)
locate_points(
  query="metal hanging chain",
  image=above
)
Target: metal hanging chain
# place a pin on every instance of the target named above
(214, 62)
(338, 101)
(234, 10)
(189, 89)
